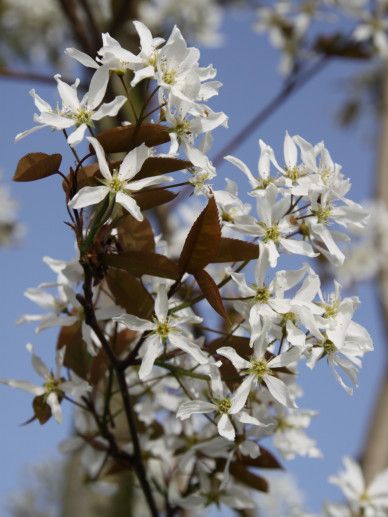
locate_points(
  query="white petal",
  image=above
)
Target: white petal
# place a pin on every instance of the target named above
(244, 168)
(147, 182)
(285, 358)
(186, 409)
(97, 88)
(77, 136)
(27, 132)
(52, 401)
(55, 120)
(135, 323)
(130, 205)
(88, 196)
(143, 73)
(133, 162)
(231, 354)
(225, 428)
(279, 391)
(24, 385)
(68, 94)
(110, 109)
(298, 247)
(100, 153)
(81, 57)
(290, 151)
(152, 348)
(188, 346)
(161, 302)
(240, 396)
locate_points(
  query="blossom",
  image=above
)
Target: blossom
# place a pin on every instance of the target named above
(81, 114)
(117, 184)
(225, 406)
(54, 386)
(163, 330)
(259, 370)
(370, 500)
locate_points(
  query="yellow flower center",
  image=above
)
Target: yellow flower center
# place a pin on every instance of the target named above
(223, 406)
(259, 368)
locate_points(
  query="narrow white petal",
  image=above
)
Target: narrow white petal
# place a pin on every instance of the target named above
(110, 109)
(130, 205)
(133, 162)
(98, 85)
(152, 348)
(240, 396)
(285, 358)
(186, 409)
(23, 385)
(147, 182)
(68, 94)
(290, 151)
(52, 401)
(77, 136)
(161, 302)
(244, 168)
(135, 323)
(225, 428)
(102, 163)
(188, 346)
(81, 57)
(231, 354)
(279, 391)
(88, 196)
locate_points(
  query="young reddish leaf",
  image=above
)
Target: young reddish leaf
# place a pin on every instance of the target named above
(126, 138)
(76, 357)
(130, 293)
(140, 263)
(210, 291)
(340, 46)
(151, 198)
(135, 235)
(202, 243)
(154, 166)
(266, 460)
(100, 363)
(248, 478)
(235, 250)
(42, 410)
(35, 166)
(239, 343)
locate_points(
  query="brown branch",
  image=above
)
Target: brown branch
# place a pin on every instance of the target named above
(290, 87)
(92, 22)
(20, 75)
(69, 9)
(124, 13)
(90, 318)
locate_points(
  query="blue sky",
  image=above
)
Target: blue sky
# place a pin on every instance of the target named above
(248, 68)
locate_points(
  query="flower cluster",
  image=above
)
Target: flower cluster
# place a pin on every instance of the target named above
(291, 27)
(137, 331)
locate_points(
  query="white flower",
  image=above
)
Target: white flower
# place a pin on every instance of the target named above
(368, 500)
(118, 184)
(75, 112)
(163, 330)
(260, 370)
(225, 406)
(54, 386)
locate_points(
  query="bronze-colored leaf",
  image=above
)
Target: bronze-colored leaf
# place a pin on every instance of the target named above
(155, 165)
(202, 243)
(337, 45)
(35, 166)
(266, 460)
(76, 357)
(211, 292)
(126, 138)
(130, 293)
(42, 410)
(140, 263)
(248, 478)
(135, 235)
(239, 343)
(151, 198)
(235, 250)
